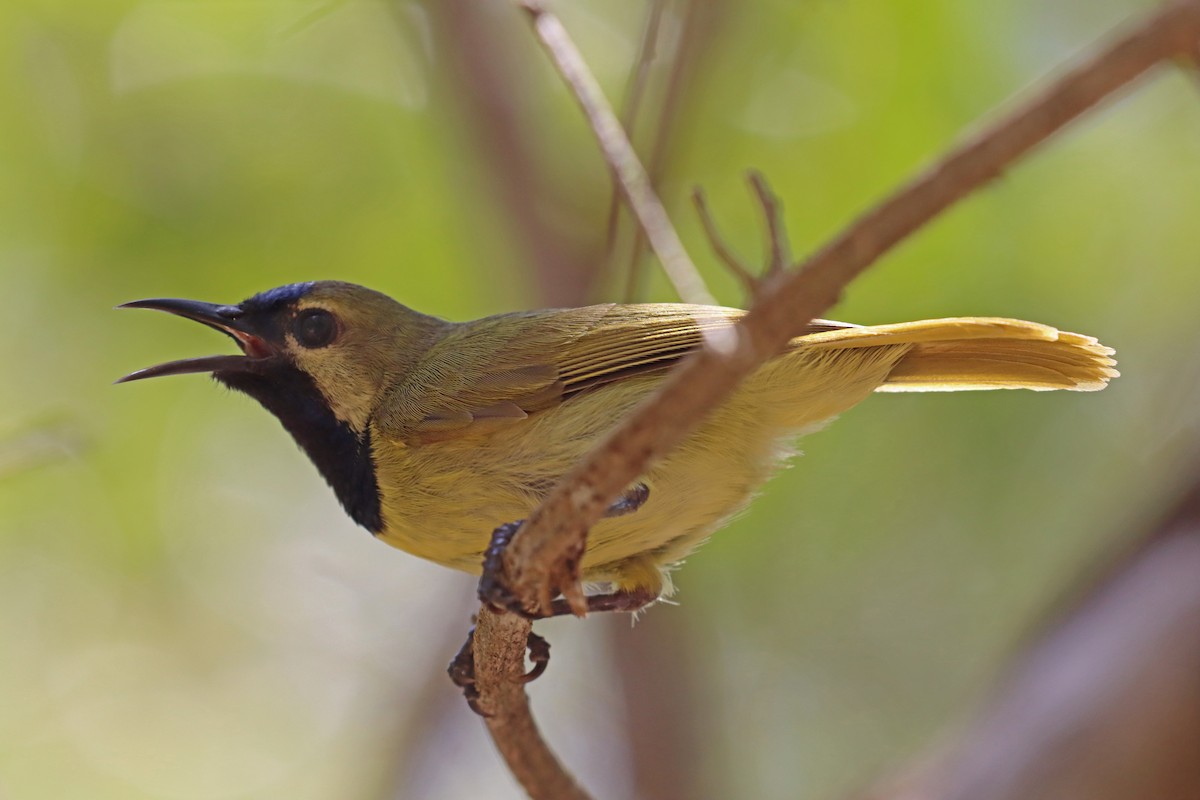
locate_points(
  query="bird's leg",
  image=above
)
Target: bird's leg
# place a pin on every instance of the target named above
(462, 667)
(631, 501)
(462, 672)
(493, 586)
(623, 600)
(494, 590)
(539, 656)
(629, 601)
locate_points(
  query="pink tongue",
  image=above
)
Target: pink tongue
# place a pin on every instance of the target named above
(252, 345)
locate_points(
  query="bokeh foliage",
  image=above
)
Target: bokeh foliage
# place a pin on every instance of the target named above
(185, 613)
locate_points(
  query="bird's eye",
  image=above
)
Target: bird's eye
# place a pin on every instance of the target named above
(314, 327)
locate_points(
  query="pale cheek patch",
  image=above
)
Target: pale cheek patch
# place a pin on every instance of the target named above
(346, 391)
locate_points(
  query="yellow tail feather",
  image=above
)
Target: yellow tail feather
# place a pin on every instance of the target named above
(980, 353)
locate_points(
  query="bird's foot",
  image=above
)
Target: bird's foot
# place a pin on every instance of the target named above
(462, 667)
(494, 587)
(629, 601)
(462, 672)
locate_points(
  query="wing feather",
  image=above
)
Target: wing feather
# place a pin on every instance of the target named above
(535, 360)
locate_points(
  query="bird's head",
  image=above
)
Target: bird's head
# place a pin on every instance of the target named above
(320, 357)
(333, 343)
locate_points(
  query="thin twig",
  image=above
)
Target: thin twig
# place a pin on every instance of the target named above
(778, 256)
(700, 24)
(632, 104)
(619, 154)
(779, 253)
(717, 243)
(648, 52)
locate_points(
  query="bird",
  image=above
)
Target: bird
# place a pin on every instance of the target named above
(432, 433)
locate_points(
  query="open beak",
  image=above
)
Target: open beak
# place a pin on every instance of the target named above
(230, 320)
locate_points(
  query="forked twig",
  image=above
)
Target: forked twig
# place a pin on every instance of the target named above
(539, 562)
(717, 243)
(778, 251)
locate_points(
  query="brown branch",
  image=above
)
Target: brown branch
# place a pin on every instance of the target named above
(668, 712)
(544, 555)
(1107, 705)
(500, 641)
(543, 558)
(664, 709)
(619, 153)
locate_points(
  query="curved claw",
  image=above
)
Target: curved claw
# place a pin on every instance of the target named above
(462, 673)
(462, 667)
(539, 656)
(493, 583)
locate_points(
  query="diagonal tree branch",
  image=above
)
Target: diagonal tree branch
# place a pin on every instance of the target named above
(543, 558)
(499, 676)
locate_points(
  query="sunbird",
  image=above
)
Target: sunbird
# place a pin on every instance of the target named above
(433, 433)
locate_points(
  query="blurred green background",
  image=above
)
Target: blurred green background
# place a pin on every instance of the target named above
(185, 613)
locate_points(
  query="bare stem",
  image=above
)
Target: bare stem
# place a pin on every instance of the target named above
(629, 113)
(719, 246)
(779, 254)
(619, 153)
(500, 678)
(778, 251)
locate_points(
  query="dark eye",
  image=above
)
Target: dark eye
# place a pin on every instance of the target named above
(314, 327)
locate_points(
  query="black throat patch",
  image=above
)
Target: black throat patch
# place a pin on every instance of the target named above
(342, 456)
